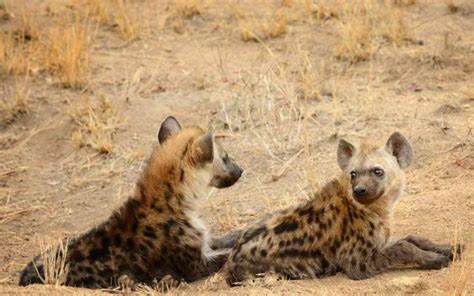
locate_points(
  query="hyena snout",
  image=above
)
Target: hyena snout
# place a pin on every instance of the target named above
(228, 176)
(360, 190)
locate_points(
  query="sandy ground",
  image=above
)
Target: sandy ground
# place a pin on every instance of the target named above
(203, 73)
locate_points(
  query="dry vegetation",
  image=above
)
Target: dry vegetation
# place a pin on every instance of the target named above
(85, 84)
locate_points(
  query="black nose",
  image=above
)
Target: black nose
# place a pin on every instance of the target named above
(240, 171)
(360, 190)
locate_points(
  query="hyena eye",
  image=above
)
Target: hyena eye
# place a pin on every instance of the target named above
(225, 159)
(378, 172)
(353, 175)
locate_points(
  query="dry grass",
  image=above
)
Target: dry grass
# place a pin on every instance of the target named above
(189, 8)
(127, 25)
(272, 25)
(404, 2)
(96, 124)
(363, 26)
(15, 102)
(67, 53)
(14, 55)
(53, 256)
(98, 10)
(326, 9)
(356, 32)
(460, 272)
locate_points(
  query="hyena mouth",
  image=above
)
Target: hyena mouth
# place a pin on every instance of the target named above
(367, 198)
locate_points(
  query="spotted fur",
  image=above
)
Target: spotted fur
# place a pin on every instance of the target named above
(158, 231)
(346, 227)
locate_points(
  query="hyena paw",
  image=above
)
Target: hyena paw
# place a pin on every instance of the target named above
(166, 283)
(125, 283)
(438, 262)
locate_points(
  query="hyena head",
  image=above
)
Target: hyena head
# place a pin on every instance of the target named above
(200, 157)
(375, 171)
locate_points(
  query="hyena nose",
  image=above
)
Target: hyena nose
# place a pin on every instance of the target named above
(360, 190)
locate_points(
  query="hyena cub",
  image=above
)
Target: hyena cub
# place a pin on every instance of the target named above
(345, 227)
(158, 231)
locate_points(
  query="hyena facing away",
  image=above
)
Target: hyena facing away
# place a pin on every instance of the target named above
(345, 227)
(158, 231)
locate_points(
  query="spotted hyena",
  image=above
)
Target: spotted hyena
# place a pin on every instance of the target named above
(158, 230)
(346, 226)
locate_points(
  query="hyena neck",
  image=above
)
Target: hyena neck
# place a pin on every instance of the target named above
(385, 204)
(172, 187)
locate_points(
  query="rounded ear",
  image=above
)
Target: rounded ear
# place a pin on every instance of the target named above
(398, 146)
(169, 127)
(205, 146)
(345, 151)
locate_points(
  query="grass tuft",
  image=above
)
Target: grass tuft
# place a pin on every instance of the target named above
(53, 256)
(67, 54)
(96, 124)
(189, 8)
(15, 103)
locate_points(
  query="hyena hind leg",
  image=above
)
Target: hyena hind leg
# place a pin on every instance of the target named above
(406, 254)
(427, 245)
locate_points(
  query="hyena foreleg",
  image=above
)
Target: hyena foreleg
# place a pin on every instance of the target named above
(427, 245)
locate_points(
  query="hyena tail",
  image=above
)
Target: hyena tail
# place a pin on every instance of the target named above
(33, 273)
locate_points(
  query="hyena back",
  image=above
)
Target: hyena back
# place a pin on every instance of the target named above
(158, 231)
(345, 227)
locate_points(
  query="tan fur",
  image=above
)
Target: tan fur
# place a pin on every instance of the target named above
(339, 230)
(157, 231)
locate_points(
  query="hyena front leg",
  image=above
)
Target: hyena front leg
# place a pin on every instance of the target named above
(227, 241)
(427, 245)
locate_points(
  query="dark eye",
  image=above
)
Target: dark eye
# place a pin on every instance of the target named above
(353, 175)
(378, 172)
(225, 159)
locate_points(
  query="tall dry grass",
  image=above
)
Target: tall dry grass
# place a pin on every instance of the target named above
(15, 101)
(67, 53)
(53, 257)
(364, 26)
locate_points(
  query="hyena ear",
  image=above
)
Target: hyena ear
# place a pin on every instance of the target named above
(345, 151)
(205, 146)
(398, 146)
(169, 127)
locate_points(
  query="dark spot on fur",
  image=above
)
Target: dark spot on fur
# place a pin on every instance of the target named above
(77, 256)
(156, 208)
(353, 262)
(129, 244)
(149, 232)
(363, 267)
(286, 226)
(248, 235)
(253, 250)
(324, 262)
(181, 176)
(263, 253)
(98, 253)
(143, 250)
